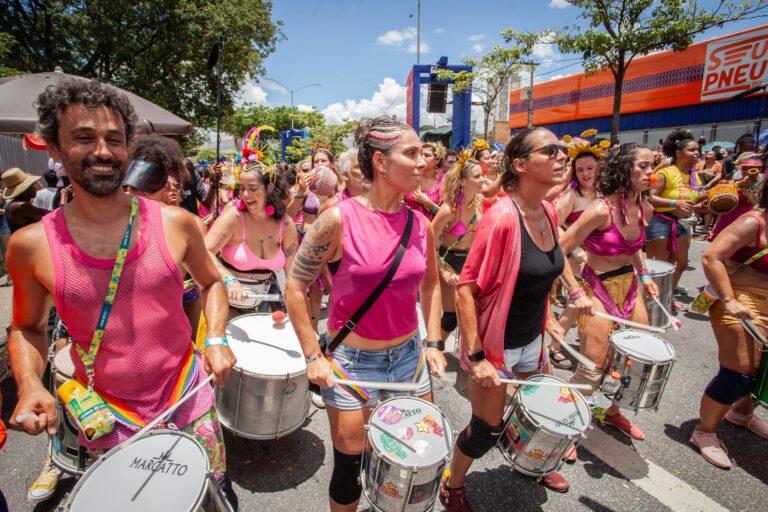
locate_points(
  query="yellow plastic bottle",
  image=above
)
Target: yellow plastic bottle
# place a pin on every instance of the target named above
(87, 409)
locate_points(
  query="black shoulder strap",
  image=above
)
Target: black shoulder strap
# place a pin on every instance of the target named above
(366, 305)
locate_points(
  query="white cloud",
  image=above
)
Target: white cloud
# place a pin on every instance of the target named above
(397, 37)
(273, 86)
(389, 99)
(252, 93)
(545, 53)
(476, 37)
(558, 4)
(425, 48)
(478, 47)
(304, 108)
(439, 30)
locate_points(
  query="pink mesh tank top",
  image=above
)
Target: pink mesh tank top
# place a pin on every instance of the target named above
(370, 240)
(147, 335)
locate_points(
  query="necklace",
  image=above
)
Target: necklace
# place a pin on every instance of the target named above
(541, 217)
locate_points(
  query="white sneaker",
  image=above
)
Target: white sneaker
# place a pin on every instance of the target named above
(45, 485)
(711, 448)
(317, 401)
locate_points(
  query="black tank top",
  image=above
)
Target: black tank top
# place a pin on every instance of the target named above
(538, 270)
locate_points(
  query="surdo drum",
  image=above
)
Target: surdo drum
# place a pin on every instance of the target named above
(165, 470)
(407, 445)
(267, 394)
(644, 362)
(66, 452)
(542, 423)
(663, 275)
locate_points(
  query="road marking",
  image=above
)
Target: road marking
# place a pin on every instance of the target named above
(655, 480)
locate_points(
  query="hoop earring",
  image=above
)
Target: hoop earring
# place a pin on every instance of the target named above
(269, 210)
(240, 205)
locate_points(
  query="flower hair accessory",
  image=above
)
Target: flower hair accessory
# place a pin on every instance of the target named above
(581, 145)
(320, 145)
(464, 155)
(480, 145)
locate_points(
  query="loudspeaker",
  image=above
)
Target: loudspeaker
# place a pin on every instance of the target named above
(437, 97)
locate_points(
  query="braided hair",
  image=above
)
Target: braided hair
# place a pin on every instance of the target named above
(372, 135)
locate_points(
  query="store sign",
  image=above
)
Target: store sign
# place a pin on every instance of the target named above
(735, 64)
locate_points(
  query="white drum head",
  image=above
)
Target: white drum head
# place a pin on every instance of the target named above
(410, 432)
(63, 365)
(559, 410)
(643, 345)
(264, 348)
(658, 267)
(163, 471)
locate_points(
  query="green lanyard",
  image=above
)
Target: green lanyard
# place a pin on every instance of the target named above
(458, 240)
(89, 358)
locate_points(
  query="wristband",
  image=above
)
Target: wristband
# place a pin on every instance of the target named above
(434, 210)
(218, 340)
(645, 277)
(672, 203)
(314, 357)
(577, 292)
(299, 196)
(228, 278)
(477, 356)
(438, 344)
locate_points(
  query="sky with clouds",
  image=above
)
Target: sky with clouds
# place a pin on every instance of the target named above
(361, 51)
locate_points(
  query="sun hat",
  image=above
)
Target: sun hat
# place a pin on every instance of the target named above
(16, 182)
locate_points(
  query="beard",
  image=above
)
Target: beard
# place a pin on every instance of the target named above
(95, 184)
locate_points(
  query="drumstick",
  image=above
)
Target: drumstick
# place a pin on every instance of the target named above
(24, 416)
(585, 387)
(152, 424)
(672, 320)
(624, 321)
(588, 363)
(753, 331)
(389, 386)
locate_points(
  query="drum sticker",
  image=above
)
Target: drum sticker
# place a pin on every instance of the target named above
(565, 396)
(290, 388)
(516, 434)
(405, 434)
(433, 426)
(392, 446)
(422, 492)
(527, 390)
(391, 490)
(389, 414)
(420, 447)
(161, 464)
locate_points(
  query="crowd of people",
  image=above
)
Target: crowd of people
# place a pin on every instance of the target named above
(480, 240)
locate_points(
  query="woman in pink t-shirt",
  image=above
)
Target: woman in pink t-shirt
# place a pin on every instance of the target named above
(358, 240)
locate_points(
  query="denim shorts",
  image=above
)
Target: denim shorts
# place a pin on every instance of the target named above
(405, 363)
(659, 228)
(527, 358)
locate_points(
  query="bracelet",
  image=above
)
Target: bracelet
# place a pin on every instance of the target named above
(434, 210)
(299, 196)
(577, 292)
(645, 277)
(477, 356)
(438, 344)
(228, 278)
(218, 340)
(672, 203)
(314, 357)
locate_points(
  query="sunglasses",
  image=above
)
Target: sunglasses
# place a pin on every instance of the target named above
(177, 186)
(551, 150)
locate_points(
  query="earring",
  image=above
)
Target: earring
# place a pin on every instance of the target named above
(240, 205)
(383, 174)
(269, 210)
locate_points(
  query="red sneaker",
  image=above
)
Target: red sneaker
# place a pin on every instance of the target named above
(555, 481)
(454, 500)
(624, 425)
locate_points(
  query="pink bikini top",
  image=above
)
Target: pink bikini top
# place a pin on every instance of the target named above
(242, 258)
(460, 229)
(573, 217)
(610, 242)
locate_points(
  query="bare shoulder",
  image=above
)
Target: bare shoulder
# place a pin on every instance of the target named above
(29, 240)
(175, 217)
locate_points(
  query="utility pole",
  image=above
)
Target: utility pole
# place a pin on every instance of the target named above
(418, 33)
(530, 92)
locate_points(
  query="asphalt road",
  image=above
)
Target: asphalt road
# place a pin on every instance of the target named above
(613, 473)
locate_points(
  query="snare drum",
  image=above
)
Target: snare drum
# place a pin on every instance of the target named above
(267, 394)
(165, 470)
(543, 423)
(663, 275)
(644, 362)
(66, 452)
(407, 445)
(723, 198)
(760, 391)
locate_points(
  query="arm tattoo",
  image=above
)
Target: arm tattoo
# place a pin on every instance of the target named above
(290, 250)
(309, 260)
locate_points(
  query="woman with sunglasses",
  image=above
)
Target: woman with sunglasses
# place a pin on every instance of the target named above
(255, 239)
(357, 239)
(501, 298)
(612, 231)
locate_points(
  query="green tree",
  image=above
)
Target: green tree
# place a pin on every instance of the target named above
(620, 30)
(157, 49)
(7, 44)
(279, 118)
(491, 73)
(333, 134)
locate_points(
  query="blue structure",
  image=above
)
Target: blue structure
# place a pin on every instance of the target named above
(286, 138)
(462, 102)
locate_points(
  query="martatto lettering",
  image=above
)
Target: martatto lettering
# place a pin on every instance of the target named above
(405, 413)
(735, 64)
(159, 465)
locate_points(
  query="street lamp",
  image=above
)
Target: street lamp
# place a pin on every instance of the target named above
(292, 91)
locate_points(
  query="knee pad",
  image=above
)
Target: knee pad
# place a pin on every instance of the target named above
(448, 322)
(584, 375)
(729, 385)
(481, 440)
(344, 487)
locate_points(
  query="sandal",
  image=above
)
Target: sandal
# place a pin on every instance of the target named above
(678, 306)
(558, 359)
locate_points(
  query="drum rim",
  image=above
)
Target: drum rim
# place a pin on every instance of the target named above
(92, 469)
(243, 370)
(671, 270)
(528, 414)
(385, 455)
(669, 345)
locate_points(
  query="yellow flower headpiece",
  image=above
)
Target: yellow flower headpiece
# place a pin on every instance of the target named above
(588, 133)
(579, 149)
(480, 145)
(262, 168)
(320, 145)
(464, 155)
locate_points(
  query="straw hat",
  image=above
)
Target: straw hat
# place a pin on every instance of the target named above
(16, 182)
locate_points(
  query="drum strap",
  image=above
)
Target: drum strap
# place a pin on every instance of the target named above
(122, 253)
(598, 288)
(366, 305)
